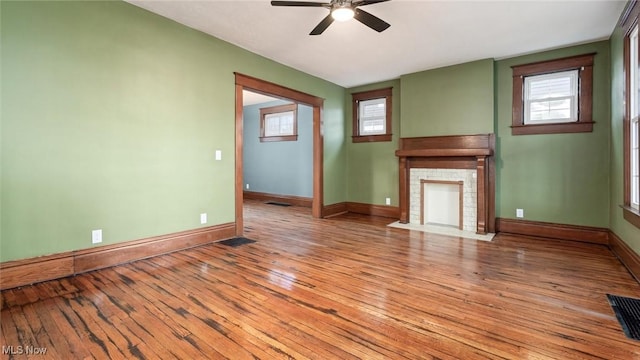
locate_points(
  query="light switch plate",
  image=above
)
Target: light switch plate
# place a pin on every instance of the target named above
(218, 154)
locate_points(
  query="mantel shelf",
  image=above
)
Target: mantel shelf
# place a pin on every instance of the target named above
(442, 152)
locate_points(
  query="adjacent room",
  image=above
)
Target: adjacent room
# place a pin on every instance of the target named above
(339, 179)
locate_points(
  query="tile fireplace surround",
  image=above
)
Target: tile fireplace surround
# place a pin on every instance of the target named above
(463, 180)
(474, 152)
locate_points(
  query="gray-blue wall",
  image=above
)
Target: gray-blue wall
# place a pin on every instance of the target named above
(284, 167)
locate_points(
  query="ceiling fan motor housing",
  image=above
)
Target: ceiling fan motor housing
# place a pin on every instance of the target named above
(341, 10)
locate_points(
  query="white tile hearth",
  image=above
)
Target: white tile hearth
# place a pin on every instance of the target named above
(443, 230)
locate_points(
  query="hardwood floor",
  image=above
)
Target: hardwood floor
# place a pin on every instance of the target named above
(341, 288)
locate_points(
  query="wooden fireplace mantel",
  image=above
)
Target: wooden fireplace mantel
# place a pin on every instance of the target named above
(443, 152)
(452, 152)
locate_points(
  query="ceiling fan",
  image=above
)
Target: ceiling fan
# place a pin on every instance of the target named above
(341, 10)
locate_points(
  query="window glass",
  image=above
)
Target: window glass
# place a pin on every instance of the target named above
(631, 132)
(635, 171)
(551, 98)
(633, 123)
(279, 124)
(372, 116)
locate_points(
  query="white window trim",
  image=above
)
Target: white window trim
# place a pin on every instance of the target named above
(573, 97)
(634, 107)
(363, 120)
(635, 163)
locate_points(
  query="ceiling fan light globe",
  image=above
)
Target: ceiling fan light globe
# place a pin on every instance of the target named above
(342, 14)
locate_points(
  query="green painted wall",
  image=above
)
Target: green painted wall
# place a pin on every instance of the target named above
(110, 116)
(110, 119)
(372, 168)
(560, 178)
(627, 232)
(454, 100)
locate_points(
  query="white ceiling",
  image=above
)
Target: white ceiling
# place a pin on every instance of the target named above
(252, 98)
(424, 34)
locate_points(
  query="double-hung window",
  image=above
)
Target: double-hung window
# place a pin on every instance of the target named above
(279, 123)
(631, 126)
(635, 167)
(555, 96)
(372, 115)
(551, 98)
(634, 98)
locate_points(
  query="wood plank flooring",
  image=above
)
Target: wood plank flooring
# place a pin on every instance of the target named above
(341, 288)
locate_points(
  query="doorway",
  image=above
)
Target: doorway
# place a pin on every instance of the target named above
(244, 82)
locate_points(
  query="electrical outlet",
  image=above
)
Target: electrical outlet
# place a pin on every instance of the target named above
(387, 201)
(519, 213)
(203, 218)
(247, 186)
(96, 236)
(218, 154)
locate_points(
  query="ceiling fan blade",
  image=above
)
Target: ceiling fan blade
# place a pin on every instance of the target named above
(299, 3)
(322, 26)
(371, 21)
(366, 2)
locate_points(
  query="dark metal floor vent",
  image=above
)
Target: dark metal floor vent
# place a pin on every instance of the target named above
(628, 313)
(277, 203)
(236, 241)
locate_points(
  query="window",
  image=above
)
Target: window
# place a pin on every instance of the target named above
(634, 87)
(279, 123)
(372, 115)
(631, 128)
(552, 97)
(635, 168)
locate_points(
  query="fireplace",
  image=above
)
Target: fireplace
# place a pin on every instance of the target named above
(466, 160)
(445, 197)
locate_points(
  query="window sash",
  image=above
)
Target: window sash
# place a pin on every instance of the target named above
(633, 76)
(634, 109)
(551, 98)
(635, 164)
(372, 116)
(279, 124)
(375, 125)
